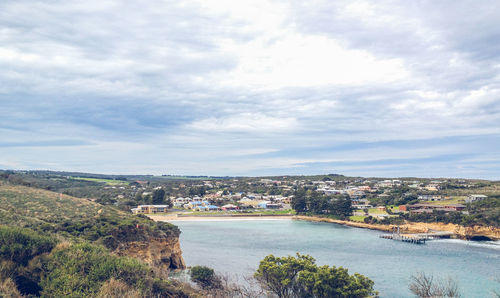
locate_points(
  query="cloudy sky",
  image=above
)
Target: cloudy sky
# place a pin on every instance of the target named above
(215, 87)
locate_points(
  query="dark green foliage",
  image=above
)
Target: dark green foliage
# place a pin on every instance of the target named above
(21, 245)
(299, 202)
(197, 191)
(341, 207)
(328, 281)
(300, 277)
(205, 277)
(313, 202)
(280, 275)
(158, 196)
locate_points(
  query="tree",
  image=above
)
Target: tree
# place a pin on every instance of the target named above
(300, 277)
(158, 196)
(169, 203)
(299, 201)
(328, 281)
(205, 277)
(341, 207)
(279, 275)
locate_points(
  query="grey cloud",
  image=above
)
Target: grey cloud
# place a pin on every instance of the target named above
(141, 74)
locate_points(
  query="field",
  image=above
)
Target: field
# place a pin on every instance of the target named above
(453, 200)
(358, 218)
(376, 211)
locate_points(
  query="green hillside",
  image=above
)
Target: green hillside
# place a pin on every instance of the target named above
(54, 245)
(75, 218)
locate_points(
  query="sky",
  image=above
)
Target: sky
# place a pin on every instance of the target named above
(251, 88)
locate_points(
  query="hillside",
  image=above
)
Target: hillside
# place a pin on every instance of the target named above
(28, 214)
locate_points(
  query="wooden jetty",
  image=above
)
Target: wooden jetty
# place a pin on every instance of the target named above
(405, 238)
(410, 238)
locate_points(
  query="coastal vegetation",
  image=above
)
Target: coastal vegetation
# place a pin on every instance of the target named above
(205, 277)
(309, 201)
(54, 245)
(299, 276)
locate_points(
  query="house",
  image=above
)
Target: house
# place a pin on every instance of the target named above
(263, 204)
(362, 206)
(229, 207)
(284, 200)
(149, 209)
(430, 198)
(432, 187)
(473, 198)
(195, 204)
(269, 205)
(274, 206)
(419, 208)
(206, 208)
(248, 202)
(179, 202)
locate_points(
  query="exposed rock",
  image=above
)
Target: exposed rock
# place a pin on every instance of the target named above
(475, 232)
(162, 253)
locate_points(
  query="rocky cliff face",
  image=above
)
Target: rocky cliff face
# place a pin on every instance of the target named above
(471, 233)
(162, 253)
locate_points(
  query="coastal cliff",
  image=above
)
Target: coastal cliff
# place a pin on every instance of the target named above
(161, 253)
(461, 232)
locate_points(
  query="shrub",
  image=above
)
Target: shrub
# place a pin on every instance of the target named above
(205, 277)
(82, 269)
(21, 245)
(115, 288)
(300, 277)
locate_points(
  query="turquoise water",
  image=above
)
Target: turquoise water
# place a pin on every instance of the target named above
(236, 247)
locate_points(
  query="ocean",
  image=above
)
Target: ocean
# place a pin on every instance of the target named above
(235, 247)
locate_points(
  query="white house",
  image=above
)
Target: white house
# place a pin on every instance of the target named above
(473, 198)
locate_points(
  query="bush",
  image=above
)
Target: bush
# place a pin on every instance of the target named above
(21, 245)
(205, 277)
(81, 270)
(300, 277)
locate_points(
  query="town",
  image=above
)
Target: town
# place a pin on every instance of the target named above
(368, 197)
(369, 200)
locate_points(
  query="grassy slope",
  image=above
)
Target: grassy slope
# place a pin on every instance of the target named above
(47, 211)
(29, 207)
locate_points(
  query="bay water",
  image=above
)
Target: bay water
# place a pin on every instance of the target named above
(235, 247)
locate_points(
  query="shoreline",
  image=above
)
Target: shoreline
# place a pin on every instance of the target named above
(459, 232)
(215, 217)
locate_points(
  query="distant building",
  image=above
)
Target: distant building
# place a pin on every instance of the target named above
(428, 208)
(430, 198)
(473, 198)
(150, 209)
(229, 207)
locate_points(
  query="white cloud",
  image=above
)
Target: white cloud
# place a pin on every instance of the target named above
(245, 122)
(295, 60)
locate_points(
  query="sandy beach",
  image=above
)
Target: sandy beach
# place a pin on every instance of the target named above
(174, 217)
(459, 231)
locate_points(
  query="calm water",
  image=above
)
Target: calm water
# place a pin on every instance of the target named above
(236, 247)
